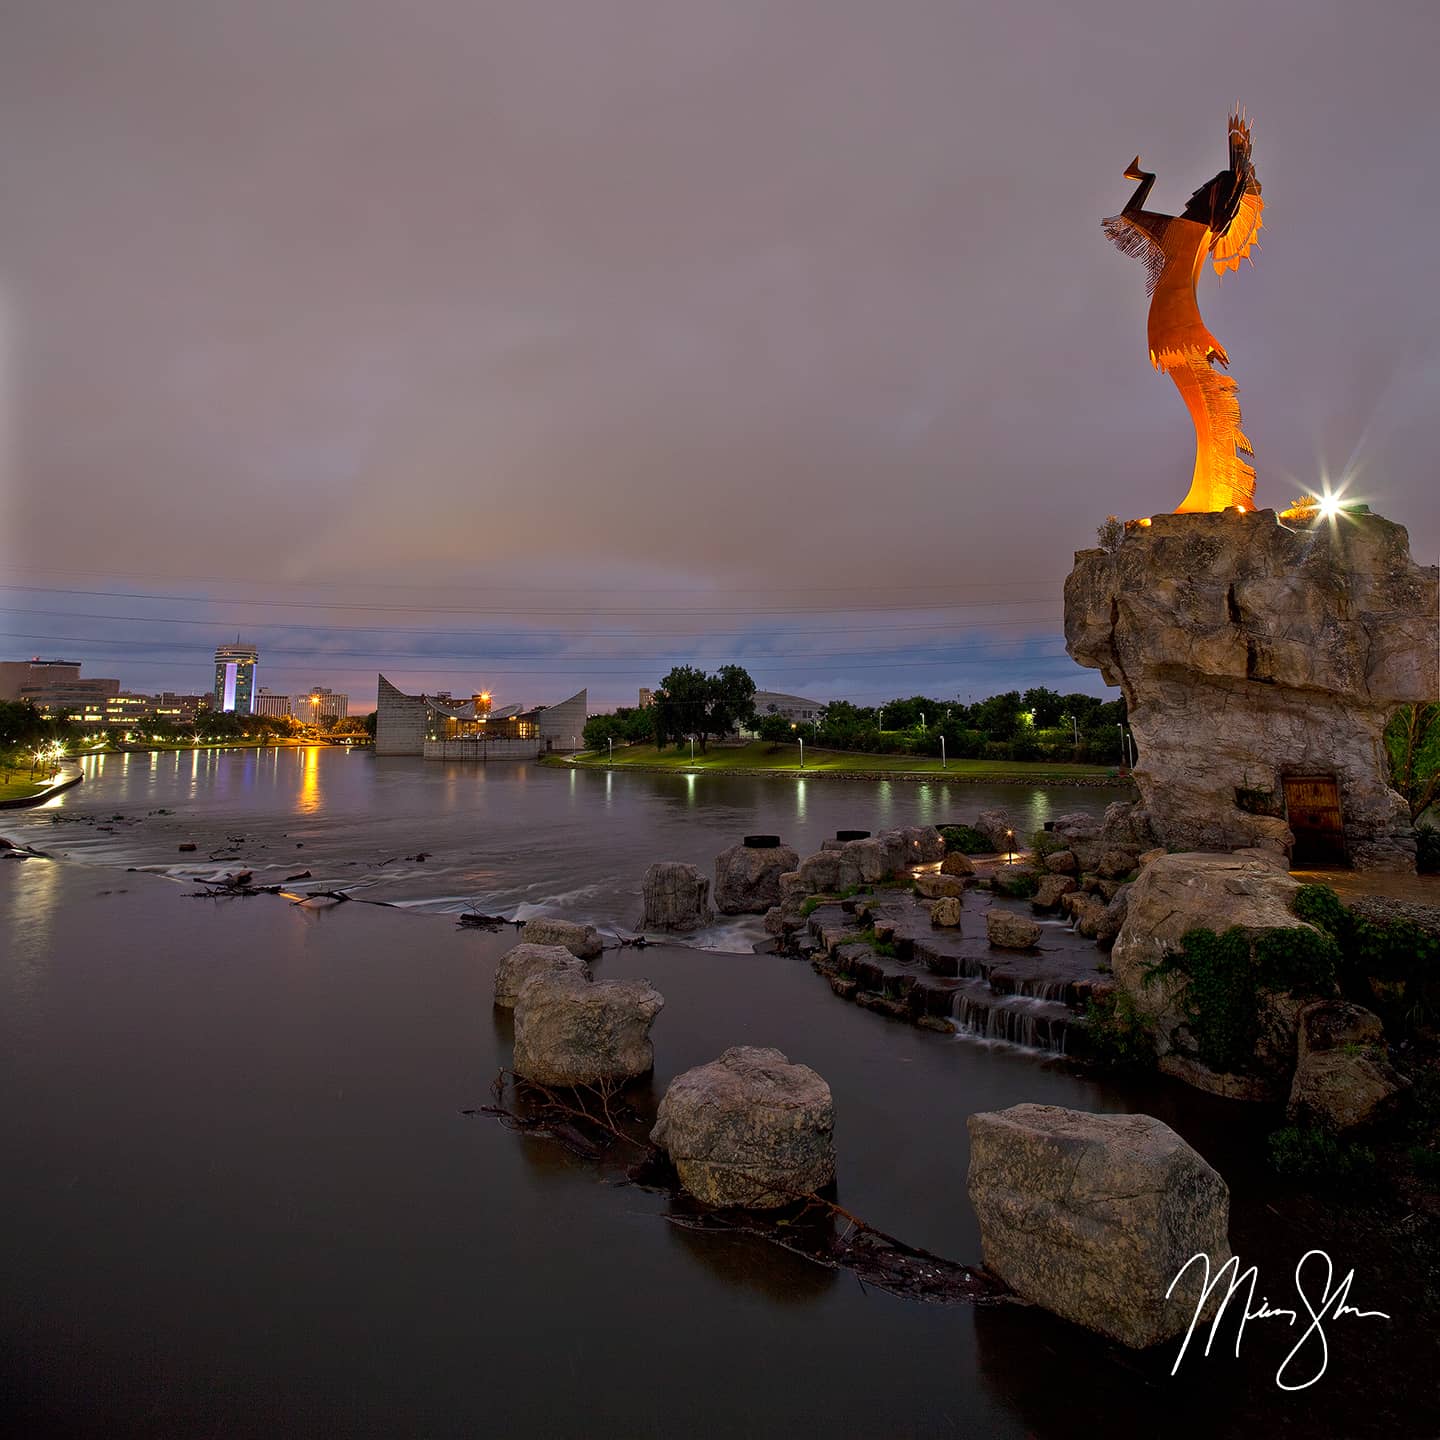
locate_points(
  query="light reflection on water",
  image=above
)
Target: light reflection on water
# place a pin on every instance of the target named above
(501, 835)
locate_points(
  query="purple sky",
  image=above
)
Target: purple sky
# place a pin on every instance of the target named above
(560, 342)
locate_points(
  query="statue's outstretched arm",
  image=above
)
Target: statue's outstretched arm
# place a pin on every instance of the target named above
(1142, 191)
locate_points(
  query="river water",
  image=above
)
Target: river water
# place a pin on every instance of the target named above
(241, 1196)
(510, 838)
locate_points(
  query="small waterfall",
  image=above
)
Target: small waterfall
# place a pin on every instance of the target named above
(1030, 1021)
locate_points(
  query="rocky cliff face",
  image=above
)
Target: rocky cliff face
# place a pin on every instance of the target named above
(1249, 652)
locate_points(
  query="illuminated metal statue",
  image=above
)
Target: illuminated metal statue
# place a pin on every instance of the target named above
(1221, 221)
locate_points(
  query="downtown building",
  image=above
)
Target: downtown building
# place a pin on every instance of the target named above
(440, 727)
(56, 688)
(309, 708)
(234, 692)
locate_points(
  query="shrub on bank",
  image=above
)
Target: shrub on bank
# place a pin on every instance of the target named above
(1320, 1158)
(964, 838)
(1225, 975)
(1389, 966)
(1427, 849)
(1019, 886)
(1115, 1036)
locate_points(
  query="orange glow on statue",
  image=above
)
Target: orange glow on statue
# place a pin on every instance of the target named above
(1221, 221)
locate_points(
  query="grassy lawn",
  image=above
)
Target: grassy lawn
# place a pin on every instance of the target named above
(762, 756)
(19, 785)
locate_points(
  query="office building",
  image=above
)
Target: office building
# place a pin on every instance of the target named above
(268, 703)
(318, 703)
(235, 678)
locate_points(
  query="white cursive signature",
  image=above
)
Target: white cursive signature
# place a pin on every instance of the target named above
(1333, 1305)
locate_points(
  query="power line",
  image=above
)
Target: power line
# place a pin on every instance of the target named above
(251, 581)
(489, 610)
(649, 662)
(312, 625)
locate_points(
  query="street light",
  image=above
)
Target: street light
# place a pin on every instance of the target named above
(942, 752)
(610, 741)
(1121, 729)
(802, 751)
(692, 749)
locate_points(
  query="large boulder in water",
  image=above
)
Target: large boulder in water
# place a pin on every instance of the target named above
(570, 1031)
(1093, 1216)
(749, 1130)
(520, 963)
(1008, 931)
(677, 897)
(581, 940)
(747, 878)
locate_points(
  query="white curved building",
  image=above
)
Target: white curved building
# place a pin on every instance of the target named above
(442, 728)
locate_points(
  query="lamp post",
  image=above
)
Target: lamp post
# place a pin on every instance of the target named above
(1121, 729)
(923, 725)
(1009, 847)
(610, 741)
(802, 751)
(942, 752)
(882, 719)
(692, 749)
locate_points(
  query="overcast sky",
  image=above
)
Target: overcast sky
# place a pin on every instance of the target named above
(561, 340)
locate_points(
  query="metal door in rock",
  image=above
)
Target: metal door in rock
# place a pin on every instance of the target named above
(1312, 806)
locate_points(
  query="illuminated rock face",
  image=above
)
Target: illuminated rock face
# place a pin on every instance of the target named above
(1253, 656)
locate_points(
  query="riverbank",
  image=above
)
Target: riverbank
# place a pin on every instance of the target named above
(265, 1210)
(21, 793)
(762, 759)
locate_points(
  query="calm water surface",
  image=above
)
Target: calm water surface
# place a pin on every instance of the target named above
(512, 838)
(240, 1197)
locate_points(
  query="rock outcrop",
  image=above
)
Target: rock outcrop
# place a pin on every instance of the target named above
(747, 879)
(677, 897)
(1093, 1216)
(1051, 888)
(581, 940)
(1008, 931)
(1176, 893)
(839, 864)
(997, 828)
(570, 1031)
(517, 965)
(940, 887)
(750, 1129)
(1251, 654)
(1344, 1076)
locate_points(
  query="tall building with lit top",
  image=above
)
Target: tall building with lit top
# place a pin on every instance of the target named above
(235, 678)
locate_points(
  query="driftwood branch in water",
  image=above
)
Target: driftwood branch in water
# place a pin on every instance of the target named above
(589, 1122)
